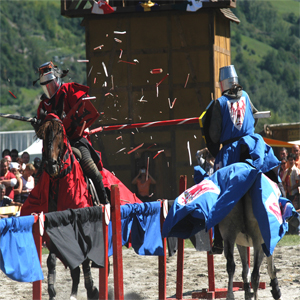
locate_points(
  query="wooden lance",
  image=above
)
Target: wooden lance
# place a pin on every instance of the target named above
(258, 115)
(19, 118)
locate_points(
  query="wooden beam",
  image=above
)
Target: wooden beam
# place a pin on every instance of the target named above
(68, 7)
(221, 50)
(73, 4)
(82, 4)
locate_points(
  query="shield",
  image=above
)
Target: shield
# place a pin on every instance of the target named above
(237, 109)
(80, 117)
(204, 121)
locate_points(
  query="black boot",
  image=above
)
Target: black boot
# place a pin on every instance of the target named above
(91, 171)
(217, 246)
(101, 190)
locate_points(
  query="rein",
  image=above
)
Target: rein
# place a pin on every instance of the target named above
(62, 157)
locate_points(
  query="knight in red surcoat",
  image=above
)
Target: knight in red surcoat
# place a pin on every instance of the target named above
(68, 101)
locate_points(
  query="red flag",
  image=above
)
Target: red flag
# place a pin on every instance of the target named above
(102, 7)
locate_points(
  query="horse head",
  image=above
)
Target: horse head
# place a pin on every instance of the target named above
(52, 133)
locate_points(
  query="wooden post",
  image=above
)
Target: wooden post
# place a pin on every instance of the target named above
(117, 242)
(180, 252)
(210, 267)
(103, 272)
(162, 264)
(37, 285)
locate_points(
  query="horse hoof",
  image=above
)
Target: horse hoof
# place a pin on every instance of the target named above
(276, 293)
(249, 295)
(73, 297)
(51, 292)
(93, 294)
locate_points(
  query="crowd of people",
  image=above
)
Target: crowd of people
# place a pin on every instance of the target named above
(16, 177)
(289, 173)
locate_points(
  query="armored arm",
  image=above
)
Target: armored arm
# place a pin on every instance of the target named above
(215, 128)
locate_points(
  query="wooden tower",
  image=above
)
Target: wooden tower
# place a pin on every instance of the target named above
(189, 47)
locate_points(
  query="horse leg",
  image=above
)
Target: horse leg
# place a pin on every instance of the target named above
(246, 272)
(253, 231)
(276, 293)
(75, 274)
(92, 291)
(258, 258)
(229, 227)
(51, 263)
(228, 252)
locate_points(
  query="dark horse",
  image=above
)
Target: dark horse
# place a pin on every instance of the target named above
(241, 227)
(60, 162)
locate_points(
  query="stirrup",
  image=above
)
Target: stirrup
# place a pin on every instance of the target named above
(93, 192)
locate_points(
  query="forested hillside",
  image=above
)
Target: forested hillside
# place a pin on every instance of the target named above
(265, 52)
(265, 48)
(33, 32)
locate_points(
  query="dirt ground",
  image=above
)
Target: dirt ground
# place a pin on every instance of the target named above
(140, 275)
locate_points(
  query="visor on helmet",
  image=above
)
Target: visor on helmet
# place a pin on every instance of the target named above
(48, 72)
(49, 81)
(228, 78)
(51, 87)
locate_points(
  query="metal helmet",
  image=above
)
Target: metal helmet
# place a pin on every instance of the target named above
(228, 78)
(50, 78)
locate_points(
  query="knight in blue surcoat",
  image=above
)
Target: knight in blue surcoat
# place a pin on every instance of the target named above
(232, 125)
(243, 163)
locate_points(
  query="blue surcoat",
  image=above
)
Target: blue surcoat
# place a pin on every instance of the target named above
(237, 117)
(238, 132)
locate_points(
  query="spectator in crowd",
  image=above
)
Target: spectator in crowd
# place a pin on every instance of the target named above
(14, 168)
(143, 182)
(5, 152)
(7, 178)
(8, 159)
(290, 178)
(36, 163)
(283, 153)
(21, 165)
(283, 167)
(14, 155)
(25, 157)
(28, 181)
(5, 201)
(295, 150)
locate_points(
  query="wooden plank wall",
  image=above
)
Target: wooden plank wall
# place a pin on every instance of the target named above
(222, 51)
(178, 42)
